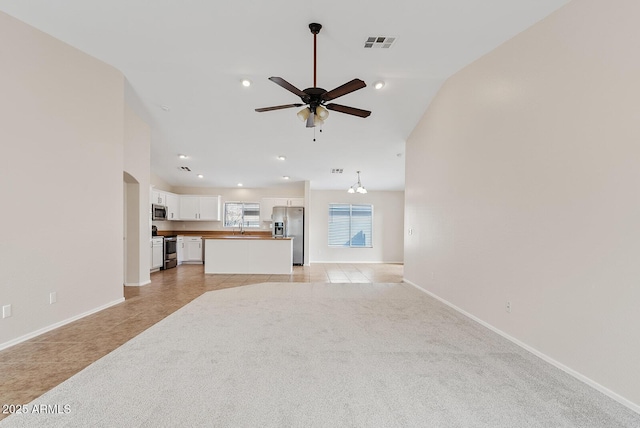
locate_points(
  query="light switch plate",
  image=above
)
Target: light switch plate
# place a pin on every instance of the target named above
(6, 311)
(53, 297)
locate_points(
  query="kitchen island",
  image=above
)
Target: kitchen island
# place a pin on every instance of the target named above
(248, 254)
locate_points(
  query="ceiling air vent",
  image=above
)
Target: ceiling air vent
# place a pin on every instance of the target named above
(185, 168)
(382, 42)
(336, 171)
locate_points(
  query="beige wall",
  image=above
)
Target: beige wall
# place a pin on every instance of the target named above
(61, 184)
(137, 157)
(522, 186)
(388, 217)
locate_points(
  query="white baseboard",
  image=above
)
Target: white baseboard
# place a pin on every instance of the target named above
(33, 334)
(620, 399)
(137, 284)
(356, 262)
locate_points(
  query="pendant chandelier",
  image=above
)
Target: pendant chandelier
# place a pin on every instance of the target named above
(357, 187)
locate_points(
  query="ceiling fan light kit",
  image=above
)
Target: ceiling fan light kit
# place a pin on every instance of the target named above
(315, 99)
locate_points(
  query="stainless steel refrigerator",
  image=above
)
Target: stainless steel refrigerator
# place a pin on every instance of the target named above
(293, 220)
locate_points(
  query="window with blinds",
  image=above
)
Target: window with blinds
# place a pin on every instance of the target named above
(350, 225)
(245, 214)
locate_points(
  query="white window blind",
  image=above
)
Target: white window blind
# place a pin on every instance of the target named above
(245, 214)
(350, 225)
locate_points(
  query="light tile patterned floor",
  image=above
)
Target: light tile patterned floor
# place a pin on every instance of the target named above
(33, 367)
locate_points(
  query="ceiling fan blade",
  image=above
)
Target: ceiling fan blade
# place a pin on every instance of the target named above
(278, 107)
(288, 86)
(345, 89)
(348, 110)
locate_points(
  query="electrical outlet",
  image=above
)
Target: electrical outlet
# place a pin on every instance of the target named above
(508, 307)
(53, 297)
(6, 311)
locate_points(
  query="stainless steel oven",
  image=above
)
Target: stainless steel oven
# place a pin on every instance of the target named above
(170, 252)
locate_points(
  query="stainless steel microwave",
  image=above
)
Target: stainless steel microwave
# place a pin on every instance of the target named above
(158, 212)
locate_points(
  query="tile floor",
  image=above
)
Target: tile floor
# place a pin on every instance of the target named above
(33, 367)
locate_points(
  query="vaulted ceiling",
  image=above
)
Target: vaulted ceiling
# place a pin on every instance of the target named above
(184, 62)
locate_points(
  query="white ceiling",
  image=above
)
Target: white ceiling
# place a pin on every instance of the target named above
(190, 56)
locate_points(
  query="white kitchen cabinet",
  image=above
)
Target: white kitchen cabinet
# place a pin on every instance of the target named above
(158, 197)
(180, 249)
(192, 249)
(266, 207)
(189, 207)
(157, 253)
(210, 208)
(199, 207)
(172, 202)
(267, 204)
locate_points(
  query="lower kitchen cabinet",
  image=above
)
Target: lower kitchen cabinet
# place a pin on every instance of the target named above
(192, 249)
(157, 253)
(180, 249)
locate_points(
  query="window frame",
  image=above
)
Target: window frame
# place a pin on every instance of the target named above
(350, 220)
(236, 223)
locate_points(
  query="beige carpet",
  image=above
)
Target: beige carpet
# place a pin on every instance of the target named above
(321, 355)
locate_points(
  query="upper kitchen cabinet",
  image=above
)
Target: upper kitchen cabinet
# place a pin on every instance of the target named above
(169, 200)
(199, 208)
(267, 204)
(158, 197)
(173, 206)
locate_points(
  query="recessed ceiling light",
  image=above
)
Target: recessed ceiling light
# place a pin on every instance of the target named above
(240, 184)
(183, 156)
(246, 83)
(200, 176)
(285, 177)
(379, 84)
(282, 157)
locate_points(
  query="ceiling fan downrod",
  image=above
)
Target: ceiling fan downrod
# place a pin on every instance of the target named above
(315, 29)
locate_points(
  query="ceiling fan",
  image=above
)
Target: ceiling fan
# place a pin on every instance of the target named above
(316, 98)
